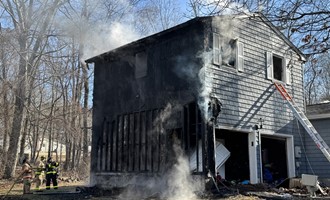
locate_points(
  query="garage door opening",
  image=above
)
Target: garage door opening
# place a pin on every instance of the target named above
(274, 158)
(237, 165)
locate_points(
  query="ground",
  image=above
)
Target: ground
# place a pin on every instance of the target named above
(79, 190)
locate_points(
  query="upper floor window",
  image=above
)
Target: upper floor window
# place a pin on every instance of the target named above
(228, 52)
(277, 68)
(141, 64)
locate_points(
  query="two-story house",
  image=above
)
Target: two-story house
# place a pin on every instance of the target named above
(206, 84)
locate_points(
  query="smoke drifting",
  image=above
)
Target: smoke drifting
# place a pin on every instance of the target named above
(107, 37)
(206, 81)
(180, 183)
(99, 37)
(99, 26)
(198, 77)
(173, 183)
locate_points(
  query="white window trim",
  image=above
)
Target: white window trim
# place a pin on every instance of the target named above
(216, 50)
(286, 72)
(239, 57)
(252, 141)
(289, 142)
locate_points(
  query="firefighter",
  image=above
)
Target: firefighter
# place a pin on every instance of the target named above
(51, 173)
(39, 174)
(27, 176)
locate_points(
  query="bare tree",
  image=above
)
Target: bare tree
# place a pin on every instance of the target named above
(83, 16)
(31, 20)
(157, 15)
(306, 23)
(312, 73)
(7, 60)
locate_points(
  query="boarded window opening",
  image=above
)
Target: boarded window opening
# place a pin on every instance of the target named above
(132, 143)
(141, 65)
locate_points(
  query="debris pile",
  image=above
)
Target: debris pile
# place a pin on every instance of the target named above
(268, 191)
(233, 192)
(70, 179)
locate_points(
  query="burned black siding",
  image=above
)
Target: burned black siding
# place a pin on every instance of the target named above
(126, 107)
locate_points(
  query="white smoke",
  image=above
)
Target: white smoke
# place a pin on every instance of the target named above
(206, 83)
(100, 37)
(172, 184)
(99, 33)
(181, 185)
(105, 37)
(179, 182)
(223, 7)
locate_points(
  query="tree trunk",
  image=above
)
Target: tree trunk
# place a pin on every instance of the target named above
(17, 118)
(5, 102)
(23, 138)
(50, 141)
(73, 160)
(68, 154)
(85, 114)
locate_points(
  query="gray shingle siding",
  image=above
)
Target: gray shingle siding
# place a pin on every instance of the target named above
(247, 96)
(318, 164)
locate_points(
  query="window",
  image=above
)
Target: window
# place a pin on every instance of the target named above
(228, 52)
(277, 69)
(141, 65)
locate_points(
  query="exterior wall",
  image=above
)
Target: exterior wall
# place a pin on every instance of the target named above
(119, 94)
(248, 96)
(176, 61)
(317, 162)
(319, 115)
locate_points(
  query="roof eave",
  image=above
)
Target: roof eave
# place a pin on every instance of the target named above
(302, 56)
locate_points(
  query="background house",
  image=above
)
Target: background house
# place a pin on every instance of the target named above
(169, 88)
(316, 162)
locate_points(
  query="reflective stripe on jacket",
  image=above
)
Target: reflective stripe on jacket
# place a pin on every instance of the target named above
(51, 168)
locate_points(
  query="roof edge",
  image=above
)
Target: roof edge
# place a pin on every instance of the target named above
(158, 34)
(302, 56)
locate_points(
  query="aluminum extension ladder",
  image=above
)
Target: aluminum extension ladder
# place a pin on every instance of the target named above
(320, 143)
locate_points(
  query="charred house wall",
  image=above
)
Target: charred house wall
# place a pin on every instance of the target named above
(148, 92)
(134, 86)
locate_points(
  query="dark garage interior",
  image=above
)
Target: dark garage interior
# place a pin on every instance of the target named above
(237, 165)
(274, 155)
